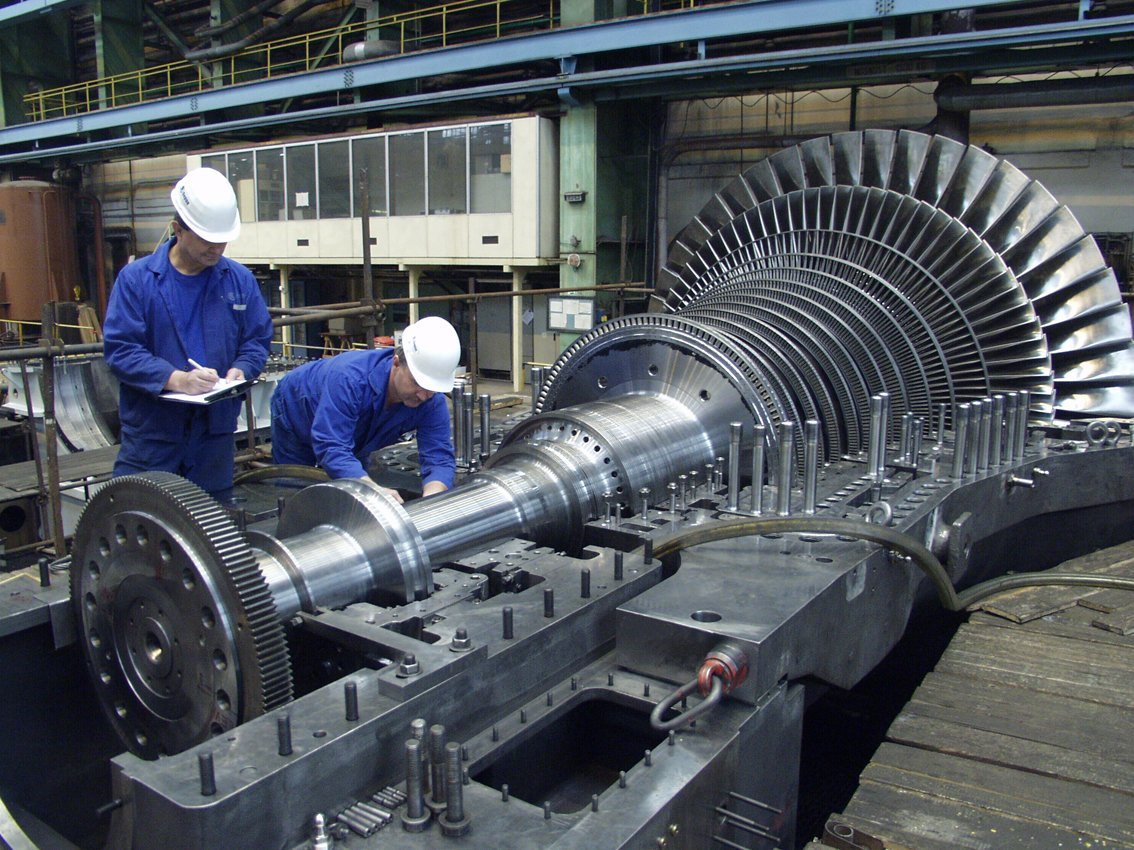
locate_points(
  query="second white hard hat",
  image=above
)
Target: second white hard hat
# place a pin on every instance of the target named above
(206, 203)
(432, 352)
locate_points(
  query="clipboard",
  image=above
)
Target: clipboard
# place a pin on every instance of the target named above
(223, 389)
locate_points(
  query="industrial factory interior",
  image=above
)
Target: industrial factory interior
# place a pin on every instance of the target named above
(786, 489)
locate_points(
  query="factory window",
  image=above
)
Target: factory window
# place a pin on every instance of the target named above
(334, 180)
(369, 156)
(215, 160)
(490, 150)
(269, 185)
(301, 182)
(237, 167)
(448, 172)
(241, 174)
(407, 174)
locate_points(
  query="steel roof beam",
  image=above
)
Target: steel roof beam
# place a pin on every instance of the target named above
(707, 23)
(16, 12)
(961, 47)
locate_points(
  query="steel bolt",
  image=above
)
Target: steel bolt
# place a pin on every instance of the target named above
(350, 693)
(415, 818)
(436, 801)
(409, 666)
(283, 732)
(461, 641)
(320, 840)
(455, 822)
(207, 773)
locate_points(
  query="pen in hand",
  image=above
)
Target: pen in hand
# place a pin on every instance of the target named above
(209, 381)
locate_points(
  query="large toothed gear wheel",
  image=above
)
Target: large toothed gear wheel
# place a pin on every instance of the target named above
(177, 622)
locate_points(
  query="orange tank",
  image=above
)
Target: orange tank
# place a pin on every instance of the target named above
(39, 259)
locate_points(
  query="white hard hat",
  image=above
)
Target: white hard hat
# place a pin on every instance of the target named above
(432, 352)
(206, 203)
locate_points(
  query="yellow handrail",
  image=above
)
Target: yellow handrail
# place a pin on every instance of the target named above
(420, 29)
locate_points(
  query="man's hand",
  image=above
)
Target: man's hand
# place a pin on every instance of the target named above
(393, 494)
(433, 487)
(234, 374)
(192, 382)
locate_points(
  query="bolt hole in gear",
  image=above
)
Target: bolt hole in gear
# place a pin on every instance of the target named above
(825, 300)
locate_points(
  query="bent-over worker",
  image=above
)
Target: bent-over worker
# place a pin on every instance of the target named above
(334, 412)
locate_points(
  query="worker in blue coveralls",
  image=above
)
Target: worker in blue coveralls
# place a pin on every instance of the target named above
(334, 412)
(177, 320)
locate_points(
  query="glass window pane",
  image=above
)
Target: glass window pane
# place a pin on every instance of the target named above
(241, 174)
(370, 154)
(334, 180)
(490, 153)
(269, 185)
(213, 160)
(300, 182)
(407, 174)
(447, 171)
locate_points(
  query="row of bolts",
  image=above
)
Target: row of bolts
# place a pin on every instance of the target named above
(989, 432)
(463, 408)
(435, 780)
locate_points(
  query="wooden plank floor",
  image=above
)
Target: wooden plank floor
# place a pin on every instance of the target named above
(1022, 736)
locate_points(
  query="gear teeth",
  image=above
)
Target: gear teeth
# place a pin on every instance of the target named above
(272, 659)
(267, 683)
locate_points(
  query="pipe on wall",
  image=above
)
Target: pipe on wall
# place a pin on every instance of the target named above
(1066, 92)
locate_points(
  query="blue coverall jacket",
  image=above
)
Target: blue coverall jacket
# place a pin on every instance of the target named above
(144, 344)
(331, 413)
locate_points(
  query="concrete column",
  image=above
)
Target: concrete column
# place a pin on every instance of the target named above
(285, 301)
(414, 292)
(518, 276)
(578, 169)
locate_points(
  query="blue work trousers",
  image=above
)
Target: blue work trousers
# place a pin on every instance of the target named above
(205, 459)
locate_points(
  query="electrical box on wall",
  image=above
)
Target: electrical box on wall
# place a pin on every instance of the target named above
(570, 314)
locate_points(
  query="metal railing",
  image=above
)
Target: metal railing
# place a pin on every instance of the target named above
(444, 25)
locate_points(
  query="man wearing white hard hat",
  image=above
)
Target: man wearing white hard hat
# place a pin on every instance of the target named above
(334, 412)
(179, 320)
